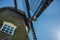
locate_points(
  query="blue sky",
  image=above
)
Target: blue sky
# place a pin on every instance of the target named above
(47, 27)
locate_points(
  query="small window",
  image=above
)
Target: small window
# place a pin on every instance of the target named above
(3, 29)
(8, 28)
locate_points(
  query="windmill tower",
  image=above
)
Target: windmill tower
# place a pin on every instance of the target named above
(13, 24)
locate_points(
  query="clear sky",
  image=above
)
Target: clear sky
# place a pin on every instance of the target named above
(47, 27)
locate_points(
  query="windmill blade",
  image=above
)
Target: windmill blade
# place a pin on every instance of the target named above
(15, 4)
(36, 7)
(41, 8)
(30, 23)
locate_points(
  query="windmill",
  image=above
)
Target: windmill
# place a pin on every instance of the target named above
(15, 25)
